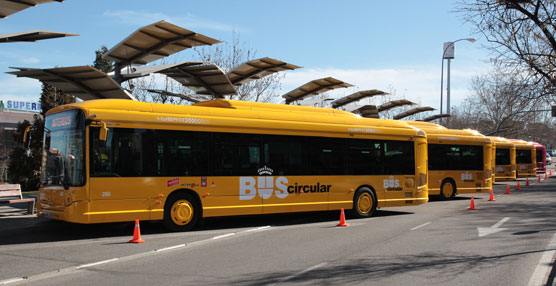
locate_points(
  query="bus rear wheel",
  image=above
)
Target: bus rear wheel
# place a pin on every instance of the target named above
(364, 203)
(447, 190)
(181, 212)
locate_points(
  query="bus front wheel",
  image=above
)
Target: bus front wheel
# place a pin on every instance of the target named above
(448, 190)
(181, 212)
(364, 203)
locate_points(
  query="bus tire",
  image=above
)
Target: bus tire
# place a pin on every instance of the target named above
(448, 189)
(181, 212)
(364, 203)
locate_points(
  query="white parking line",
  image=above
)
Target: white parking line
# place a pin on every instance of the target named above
(13, 280)
(96, 263)
(544, 265)
(170, 247)
(224, 235)
(420, 226)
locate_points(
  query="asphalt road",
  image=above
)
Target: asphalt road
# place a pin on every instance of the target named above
(510, 241)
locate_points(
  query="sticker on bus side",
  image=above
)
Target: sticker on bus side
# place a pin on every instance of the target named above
(173, 182)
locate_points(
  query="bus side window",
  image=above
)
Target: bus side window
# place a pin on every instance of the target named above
(236, 154)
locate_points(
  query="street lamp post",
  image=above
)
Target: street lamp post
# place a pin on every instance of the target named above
(448, 46)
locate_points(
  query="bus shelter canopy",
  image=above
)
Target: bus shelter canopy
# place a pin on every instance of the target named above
(314, 87)
(394, 103)
(434, 117)
(201, 78)
(413, 111)
(367, 111)
(32, 36)
(257, 69)
(154, 42)
(188, 97)
(8, 7)
(356, 97)
(84, 82)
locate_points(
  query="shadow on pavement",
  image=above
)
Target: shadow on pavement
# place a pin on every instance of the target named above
(21, 230)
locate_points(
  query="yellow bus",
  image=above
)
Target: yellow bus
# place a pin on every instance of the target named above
(459, 160)
(118, 160)
(525, 158)
(505, 168)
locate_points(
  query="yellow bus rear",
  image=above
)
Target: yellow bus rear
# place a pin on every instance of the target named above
(459, 161)
(221, 158)
(505, 166)
(525, 158)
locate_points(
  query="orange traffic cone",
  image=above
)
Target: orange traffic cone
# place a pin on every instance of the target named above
(472, 206)
(508, 189)
(342, 219)
(550, 173)
(137, 233)
(518, 186)
(491, 199)
(545, 176)
(538, 178)
(527, 182)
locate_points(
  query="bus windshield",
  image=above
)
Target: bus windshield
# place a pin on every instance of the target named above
(63, 162)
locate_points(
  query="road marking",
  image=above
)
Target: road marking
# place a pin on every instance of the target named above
(170, 247)
(484, 231)
(255, 229)
(544, 265)
(71, 269)
(420, 226)
(301, 272)
(224, 235)
(13, 280)
(96, 263)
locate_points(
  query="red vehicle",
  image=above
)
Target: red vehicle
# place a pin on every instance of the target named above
(541, 158)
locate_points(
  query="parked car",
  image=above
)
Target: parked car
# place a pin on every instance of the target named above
(548, 159)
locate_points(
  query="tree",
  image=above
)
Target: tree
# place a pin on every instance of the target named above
(503, 104)
(24, 167)
(522, 34)
(100, 63)
(229, 56)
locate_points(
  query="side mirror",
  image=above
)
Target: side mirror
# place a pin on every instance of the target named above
(103, 134)
(26, 137)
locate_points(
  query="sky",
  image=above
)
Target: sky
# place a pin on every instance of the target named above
(391, 45)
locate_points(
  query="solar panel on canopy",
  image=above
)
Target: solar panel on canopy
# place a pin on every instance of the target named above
(394, 103)
(368, 111)
(314, 87)
(8, 7)
(32, 36)
(141, 71)
(154, 42)
(413, 111)
(201, 78)
(257, 69)
(84, 82)
(187, 97)
(356, 96)
(434, 117)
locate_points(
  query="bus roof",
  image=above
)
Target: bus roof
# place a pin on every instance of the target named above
(437, 132)
(241, 110)
(501, 141)
(522, 144)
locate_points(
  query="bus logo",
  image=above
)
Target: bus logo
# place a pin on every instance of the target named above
(392, 184)
(466, 177)
(264, 186)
